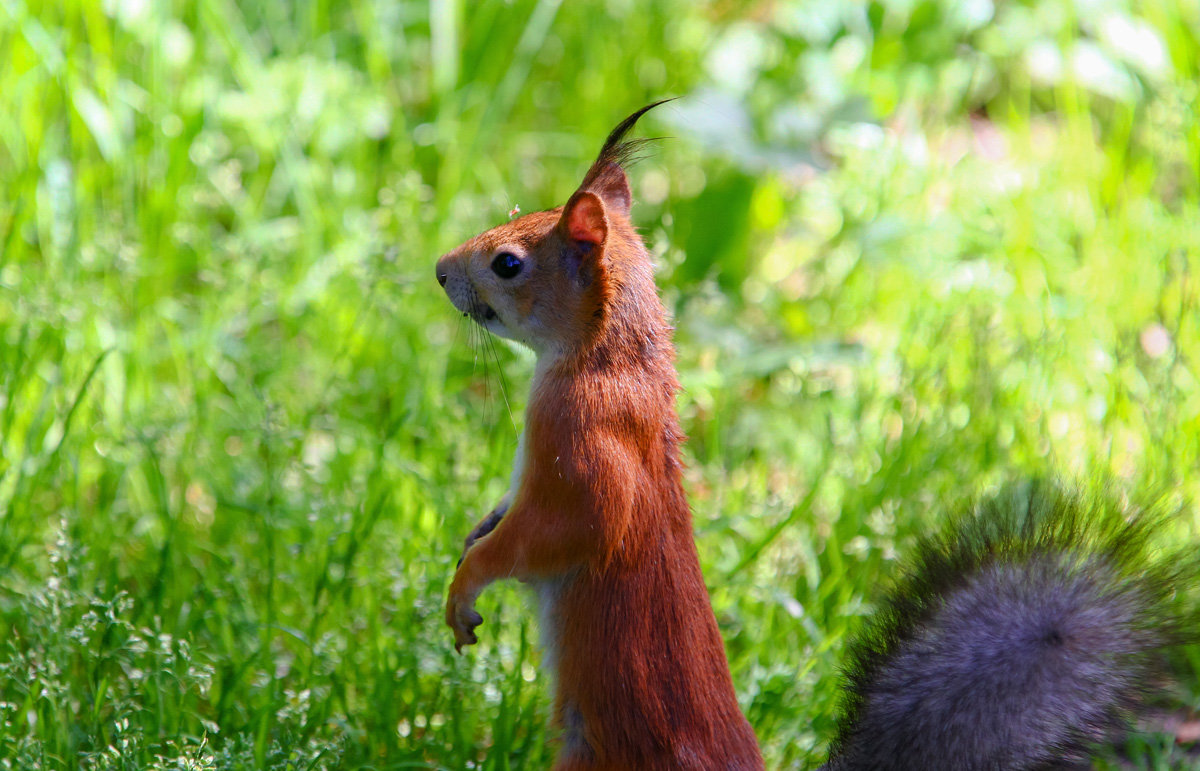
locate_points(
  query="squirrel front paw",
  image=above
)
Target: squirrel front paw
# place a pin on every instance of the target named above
(462, 618)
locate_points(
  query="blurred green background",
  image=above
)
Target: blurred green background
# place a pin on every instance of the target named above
(913, 247)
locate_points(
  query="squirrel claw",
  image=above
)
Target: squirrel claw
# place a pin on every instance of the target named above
(463, 619)
(471, 640)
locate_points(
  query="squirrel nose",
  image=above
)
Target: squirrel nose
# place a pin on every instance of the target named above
(442, 269)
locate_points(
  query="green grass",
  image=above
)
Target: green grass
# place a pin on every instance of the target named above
(242, 433)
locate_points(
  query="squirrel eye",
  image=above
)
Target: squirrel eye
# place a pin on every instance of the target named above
(506, 265)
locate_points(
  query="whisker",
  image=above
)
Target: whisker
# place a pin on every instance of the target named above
(485, 339)
(474, 346)
(473, 342)
(483, 347)
(503, 382)
(457, 333)
(479, 344)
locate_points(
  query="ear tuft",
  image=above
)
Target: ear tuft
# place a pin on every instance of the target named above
(606, 177)
(583, 218)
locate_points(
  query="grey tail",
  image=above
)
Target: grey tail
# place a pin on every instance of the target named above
(1020, 638)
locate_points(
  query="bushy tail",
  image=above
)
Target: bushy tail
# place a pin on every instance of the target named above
(1020, 638)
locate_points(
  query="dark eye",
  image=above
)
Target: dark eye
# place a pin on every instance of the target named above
(506, 265)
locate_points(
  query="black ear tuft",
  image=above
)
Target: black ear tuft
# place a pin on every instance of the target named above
(607, 175)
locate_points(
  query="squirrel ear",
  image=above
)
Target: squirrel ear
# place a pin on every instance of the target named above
(613, 188)
(583, 218)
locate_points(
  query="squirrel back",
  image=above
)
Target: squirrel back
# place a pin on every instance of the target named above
(1023, 635)
(1020, 637)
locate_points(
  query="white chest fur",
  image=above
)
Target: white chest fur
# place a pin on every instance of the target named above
(547, 590)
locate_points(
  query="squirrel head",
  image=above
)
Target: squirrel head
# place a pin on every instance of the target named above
(546, 279)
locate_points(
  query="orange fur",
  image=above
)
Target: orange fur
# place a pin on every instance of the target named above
(599, 520)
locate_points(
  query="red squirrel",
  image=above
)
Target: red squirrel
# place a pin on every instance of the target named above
(596, 519)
